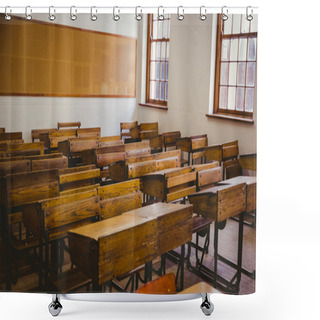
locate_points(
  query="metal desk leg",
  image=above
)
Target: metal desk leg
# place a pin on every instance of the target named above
(55, 306)
(206, 305)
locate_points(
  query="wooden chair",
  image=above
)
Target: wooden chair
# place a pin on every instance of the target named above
(170, 139)
(163, 285)
(35, 133)
(193, 146)
(68, 124)
(16, 191)
(148, 130)
(10, 136)
(127, 128)
(49, 220)
(89, 132)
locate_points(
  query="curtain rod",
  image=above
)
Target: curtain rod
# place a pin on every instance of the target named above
(127, 10)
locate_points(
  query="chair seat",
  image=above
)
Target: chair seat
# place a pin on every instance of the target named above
(199, 223)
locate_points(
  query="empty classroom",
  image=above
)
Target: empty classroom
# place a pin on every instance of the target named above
(130, 156)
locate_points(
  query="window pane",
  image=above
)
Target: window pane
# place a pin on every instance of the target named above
(223, 97)
(163, 50)
(225, 49)
(249, 99)
(160, 24)
(167, 71)
(158, 50)
(243, 49)
(252, 49)
(231, 98)
(233, 74)
(224, 73)
(168, 44)
(153, 70)
(153, 50)
(236, 23)
(163, 70)
(162, 86)
(250, 73)
(240, 99)
(167, 86)
(152, 90)
(157, 90)
(234, 50)
(158, 70)
(165, 29)
(241, 74)
(245, 24)
(254, 24)
(155, 30)
(227, 26)
(169, 29)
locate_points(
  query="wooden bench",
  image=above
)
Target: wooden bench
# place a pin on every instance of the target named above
(73, 178)
(35, 133)
(16, 191)
(68, 124)
(125, 129)
(51, 219)
(119, 197)
(148, 130)
(156, 144)
(51, 139)
(102, 157)
(22, 149)
(137, 148)
(170, 139)
(135, 167)
(194, 146)
(10, 136)
(89, 132)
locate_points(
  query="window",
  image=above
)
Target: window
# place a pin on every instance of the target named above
(158, 60)
(235, 66)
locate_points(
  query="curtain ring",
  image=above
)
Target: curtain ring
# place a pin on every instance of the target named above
(180, 13)
(115, 16)
(52, 16)
(28, 13)
(160, 16)
(203, 13)
(93, 17)
(7, 17)
(224, 15)
(73, 16)
(138, 15)
(249, 16)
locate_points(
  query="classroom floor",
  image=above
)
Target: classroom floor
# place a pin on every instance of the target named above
(227, 248)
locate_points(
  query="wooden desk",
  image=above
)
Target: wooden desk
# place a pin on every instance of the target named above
(218, 204)
(112, 247)
(251, 192)
(170, 184)
(200, 287)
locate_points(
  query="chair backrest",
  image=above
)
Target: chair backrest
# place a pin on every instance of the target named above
(170, 138)
(69, 124)
(89, 132)
(10, 136)
(118, 198)
(163, 285)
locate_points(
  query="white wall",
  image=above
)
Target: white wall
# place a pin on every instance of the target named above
(26, 113)
(191, 83)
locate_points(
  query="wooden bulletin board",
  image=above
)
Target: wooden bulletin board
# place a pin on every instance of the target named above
(46, 59)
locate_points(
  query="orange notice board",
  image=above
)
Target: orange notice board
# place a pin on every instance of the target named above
(46, 59)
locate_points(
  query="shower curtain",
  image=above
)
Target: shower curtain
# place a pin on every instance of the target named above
(68, 222)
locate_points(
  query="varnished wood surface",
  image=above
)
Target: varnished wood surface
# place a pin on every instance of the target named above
(10, 136)
(72, 53)
(68, 124)
(249, 161)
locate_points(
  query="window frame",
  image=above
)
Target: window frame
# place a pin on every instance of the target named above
(216, 101)
(154, 102)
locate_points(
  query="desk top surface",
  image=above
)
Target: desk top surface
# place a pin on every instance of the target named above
(239, 179)
(127, 220)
